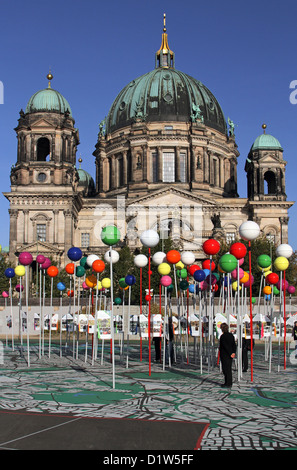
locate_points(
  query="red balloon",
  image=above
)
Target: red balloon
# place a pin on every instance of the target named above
(98, 266)
(70, 293)
(272, 278)
(52, 271)
(69, 268)
(238, 250)
(211, 247)
(206, 265)
(147, 297)
(193, 268)
(173, 256)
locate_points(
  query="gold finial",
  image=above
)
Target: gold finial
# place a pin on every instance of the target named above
(49, 77)
(80, 160)
(264, 128)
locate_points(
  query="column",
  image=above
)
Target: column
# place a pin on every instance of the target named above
(177, 164)
(160, 164)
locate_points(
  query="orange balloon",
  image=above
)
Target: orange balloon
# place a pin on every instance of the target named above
(173, 256)
(52, 271)
(69, 268)
(267, 290)
(70, 293)
(244, 278)
(91, 281)
(98, 266)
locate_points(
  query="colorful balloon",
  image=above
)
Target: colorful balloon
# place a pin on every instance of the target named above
(40, 259)
(106, 283)
(98, 266)
(61, 286)
(165, 281)
(228, 262)
(267, 290)
(264, 261)
(130, 279)
(91, 281)
(110, 235)
(211, 247)
(291, 290)
(193, 268)
(272, 278)
(173, 256)
(238, 250)
(164, 269)
(206, 265)
(281, 263)
(69, 268)
(80, 271)
(20, 270)
(9, 272)
(249, 230)
(46, 264)
(118, 301)
(52, 271)
(74, 253)
(199, 275)
(25, 258)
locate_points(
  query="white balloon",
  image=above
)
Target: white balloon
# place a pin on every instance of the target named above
(159, 258)
(187, 257)
(149, 238)
(91, 259)
(140, 261)
(284, 250)
(249, 230)
(114, 256)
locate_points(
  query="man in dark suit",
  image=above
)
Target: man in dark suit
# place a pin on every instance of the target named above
(227, 353)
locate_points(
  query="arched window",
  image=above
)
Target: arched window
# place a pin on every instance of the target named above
(269, 183)
(43, 149)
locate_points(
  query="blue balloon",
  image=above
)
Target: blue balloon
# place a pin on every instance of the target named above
(74, 254)
(192, 288)
(61, 286)
(9, 272)
(199, 275)
(207, 272)
(130, 280)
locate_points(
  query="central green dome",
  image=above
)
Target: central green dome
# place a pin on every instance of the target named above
(165, 94)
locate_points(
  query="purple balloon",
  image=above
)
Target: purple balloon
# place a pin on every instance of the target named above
(283, 286)
(291, 289)
(18, 288)
(40, 259)
(25, 258)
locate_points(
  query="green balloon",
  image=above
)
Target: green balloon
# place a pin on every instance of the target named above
(83, 261)
(80, 271)
(110, 235)
(264, 261)
(122, 282)
(183, 285)
(253, 300)
(118, 301)
(275, 290)
(170, 288)
(228, 263)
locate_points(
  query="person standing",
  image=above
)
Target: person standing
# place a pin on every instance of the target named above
(227, 350)
(294, 334)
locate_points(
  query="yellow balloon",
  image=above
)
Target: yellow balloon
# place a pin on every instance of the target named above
(20, 270)
(267, 272)
(99, 285)
(281, 263)
(106, 283)
(164, 269)
(234, 286)
(179, 265)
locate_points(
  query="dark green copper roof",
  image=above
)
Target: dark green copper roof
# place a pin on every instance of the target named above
(164, 94)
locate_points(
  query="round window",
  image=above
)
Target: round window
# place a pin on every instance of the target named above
(41, 177)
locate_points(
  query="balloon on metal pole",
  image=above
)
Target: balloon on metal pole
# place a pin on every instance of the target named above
(9, 273)
(40, 259)
(140, 262)
(110, 236)
(150, 239)
(52, 272)
(61, 287)
(249, 231)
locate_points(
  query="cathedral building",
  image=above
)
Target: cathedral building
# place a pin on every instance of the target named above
(165, 159)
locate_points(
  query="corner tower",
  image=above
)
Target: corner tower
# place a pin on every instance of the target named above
(43, 198)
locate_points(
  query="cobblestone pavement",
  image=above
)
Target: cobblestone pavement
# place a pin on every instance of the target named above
(255, 415)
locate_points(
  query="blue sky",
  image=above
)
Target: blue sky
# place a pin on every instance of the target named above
(244, 52)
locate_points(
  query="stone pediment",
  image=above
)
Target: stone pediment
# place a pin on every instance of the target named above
(42, 123)
(40, 248)
(269, 157)
(173, 196)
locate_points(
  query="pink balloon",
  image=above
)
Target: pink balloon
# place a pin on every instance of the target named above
(40, 259)
(46, 264)
(165, 281)
(25, 258)
(234, 273)
(5, 294)
(18, 288)
(84, 286)
(282, 286)
(291, 289)
(241, 261)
